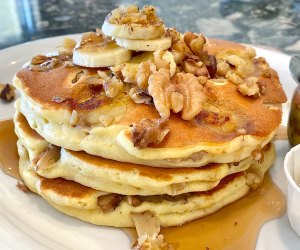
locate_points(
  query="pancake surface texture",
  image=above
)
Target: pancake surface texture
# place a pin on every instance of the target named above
(172, 126)
(221, 105)
(118, 177)
(86, 203)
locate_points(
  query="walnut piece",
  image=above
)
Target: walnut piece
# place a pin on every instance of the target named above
(164, 59)
(48, 157)
(133, 200)
(126, 72)
(42, 63)
(7, 92)
(194, 67)
(74, 119)
(139, 96)
(189, 97)
(179, 49)
(148, 229)
(112, 86)
(194, 41)
(132, 15)
(149, 132)
(249, 87)
(110, 202)
(144, 71)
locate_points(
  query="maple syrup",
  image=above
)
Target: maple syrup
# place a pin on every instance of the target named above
(235, 226)
(9, 159)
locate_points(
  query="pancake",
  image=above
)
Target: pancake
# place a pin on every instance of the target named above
(88, 204)
(119, 177)
(49, 100)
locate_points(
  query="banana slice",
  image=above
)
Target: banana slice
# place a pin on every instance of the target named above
(131, 23)
(96, 50)
(145, 45)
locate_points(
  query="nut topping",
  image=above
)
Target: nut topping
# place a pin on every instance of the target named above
(194, 41)
(132, 15)
(48, 157)
(7, 92)
(149, 132)
(188, 100)
(144, 71)
(110, 202)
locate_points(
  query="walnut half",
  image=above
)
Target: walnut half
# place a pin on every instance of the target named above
(183, 92)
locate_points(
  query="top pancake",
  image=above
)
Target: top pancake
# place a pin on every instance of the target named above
(51, 97)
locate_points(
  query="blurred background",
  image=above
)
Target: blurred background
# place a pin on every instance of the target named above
(273, 23)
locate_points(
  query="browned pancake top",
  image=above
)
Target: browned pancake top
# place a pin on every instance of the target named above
(66, 188)
(248, 114)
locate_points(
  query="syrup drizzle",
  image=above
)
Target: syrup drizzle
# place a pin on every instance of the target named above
(235, 226)
(9, 159)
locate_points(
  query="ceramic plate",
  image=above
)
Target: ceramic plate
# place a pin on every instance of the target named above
(28, 222)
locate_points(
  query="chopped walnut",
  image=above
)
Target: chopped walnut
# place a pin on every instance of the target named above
(162, 88)
(194, 41)
(165, 60)
(126, 72)
(249, 87)
(144, 71)
(48, 157)
(250, 52)
(194, 67)
(148, 229)
(112, 86)
(7, 92)
(210, 62)
(74, 119)
(139, 96)
(234, 77)
(133, 200)
(149, 132)
(179, 49)
(132, 15)
(222, 67)
(110, 202)
(42, 63)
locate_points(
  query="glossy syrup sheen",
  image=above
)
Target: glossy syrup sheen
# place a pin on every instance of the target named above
(9, 159)
(236, 226)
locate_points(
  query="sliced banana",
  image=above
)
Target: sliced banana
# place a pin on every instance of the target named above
(132, 31)
(131, 23)
(96, 50)
(145, 45)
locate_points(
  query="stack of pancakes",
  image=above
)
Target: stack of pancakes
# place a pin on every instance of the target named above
(92, 169)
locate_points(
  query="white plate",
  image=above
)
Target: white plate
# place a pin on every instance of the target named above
(28, 222)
